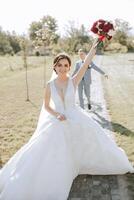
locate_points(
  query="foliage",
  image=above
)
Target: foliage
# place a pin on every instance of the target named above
(130, 43)
(44, 39)
(14, 41)
(75, 38)
(5, 47)
(122, 25)
(122, 41)
(44, 31)
(116, 47)
(9, 43)
(122, 29)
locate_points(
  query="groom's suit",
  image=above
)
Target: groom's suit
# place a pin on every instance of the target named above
(86, 81)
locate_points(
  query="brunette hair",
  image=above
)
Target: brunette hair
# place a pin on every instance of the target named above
(60, 57)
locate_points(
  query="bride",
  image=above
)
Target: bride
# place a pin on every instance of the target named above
(66, 142)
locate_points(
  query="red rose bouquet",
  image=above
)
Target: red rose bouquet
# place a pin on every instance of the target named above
(104, 29)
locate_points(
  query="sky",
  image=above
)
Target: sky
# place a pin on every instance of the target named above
(17, 15)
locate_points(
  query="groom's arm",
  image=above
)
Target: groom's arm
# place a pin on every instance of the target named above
(96, 68)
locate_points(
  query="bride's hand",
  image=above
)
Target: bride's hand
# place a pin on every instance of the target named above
(61, 117)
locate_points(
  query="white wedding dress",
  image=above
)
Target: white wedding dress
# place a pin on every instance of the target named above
(45, 167)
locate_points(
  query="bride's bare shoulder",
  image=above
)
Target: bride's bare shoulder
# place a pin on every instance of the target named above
(49, 83)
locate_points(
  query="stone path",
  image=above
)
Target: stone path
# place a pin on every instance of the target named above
(88, 187)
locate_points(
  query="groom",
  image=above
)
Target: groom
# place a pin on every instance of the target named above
(86, 80)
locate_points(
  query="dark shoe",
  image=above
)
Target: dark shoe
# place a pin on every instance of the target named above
(89, 106)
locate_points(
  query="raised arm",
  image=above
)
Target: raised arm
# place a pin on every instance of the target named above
(77, 78)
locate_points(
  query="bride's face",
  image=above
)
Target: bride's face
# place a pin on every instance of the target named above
(62, 67)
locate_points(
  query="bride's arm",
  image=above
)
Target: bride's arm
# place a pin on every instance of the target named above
(48, 107)
(79, 75)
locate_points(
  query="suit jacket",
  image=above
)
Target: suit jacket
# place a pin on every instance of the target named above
(87, 75)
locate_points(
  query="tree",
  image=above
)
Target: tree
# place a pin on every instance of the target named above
(76, 37)
(122, 41)
(14, 41)
(40, 26)
(5, 47)
(122, 29)
(35, 26)
(9, 42)
(122, 25)
(24, 48)
(43, 33)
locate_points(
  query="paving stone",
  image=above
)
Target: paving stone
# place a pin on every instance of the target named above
(96, 182)
(116, 197)
(114, 191)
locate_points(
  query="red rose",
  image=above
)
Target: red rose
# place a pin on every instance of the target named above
(101, 21)
(106, 28)
(94, 30)
(101, 26)
(111, 26)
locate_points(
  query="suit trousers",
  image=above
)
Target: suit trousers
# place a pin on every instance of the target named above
(83, 87)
